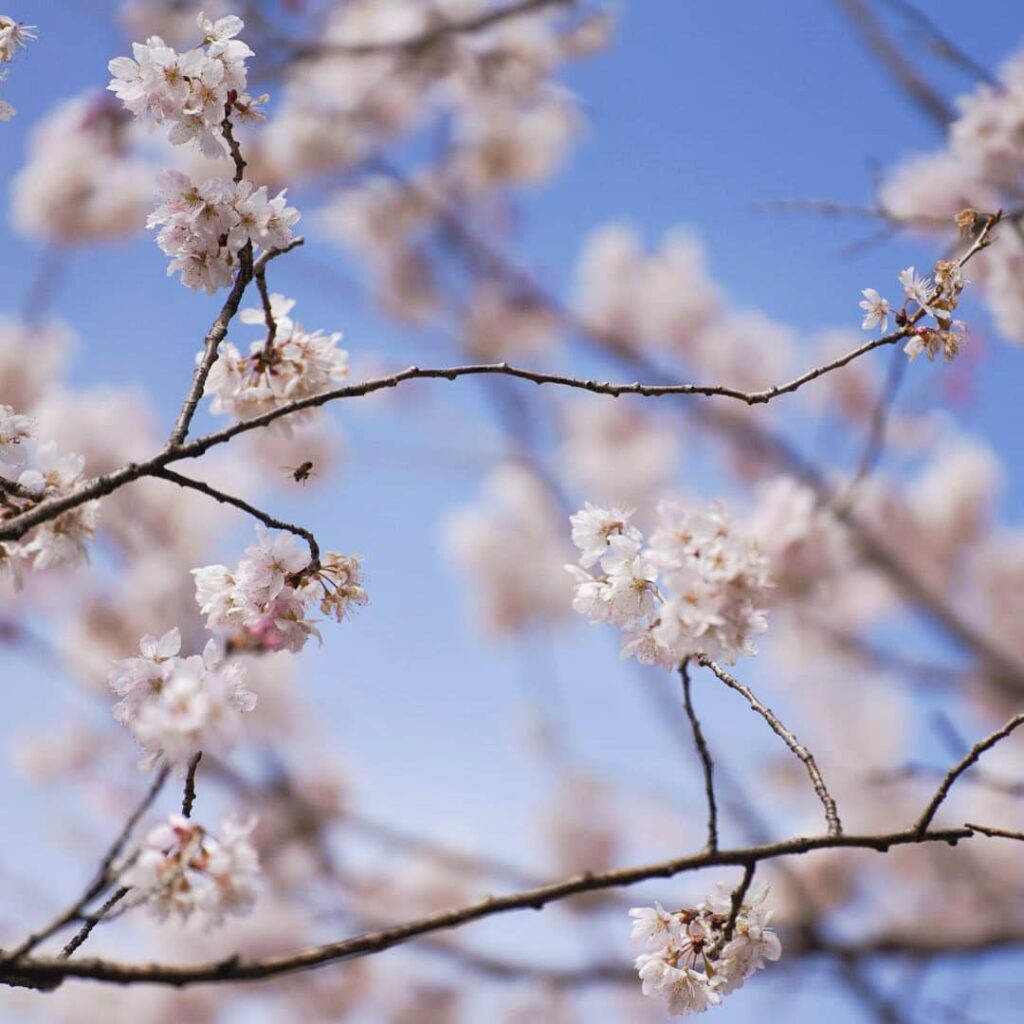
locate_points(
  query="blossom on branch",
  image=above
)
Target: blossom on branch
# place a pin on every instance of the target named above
(13, 37)
(295, 364)
(263, 604)
(204, 228)
(195, 91)
(691, 958)
(183, 870)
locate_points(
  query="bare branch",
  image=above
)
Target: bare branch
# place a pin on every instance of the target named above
(103, 877)
(705, 758)
(189, 796)
(831, 814)
(958, 769)
(229, 499)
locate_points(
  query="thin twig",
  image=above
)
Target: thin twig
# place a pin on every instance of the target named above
(189, 796)
(958, 769)
(704, 754)
(831, 814)
(738, 896)
(104, 873)
(90, 922)
(229, 499)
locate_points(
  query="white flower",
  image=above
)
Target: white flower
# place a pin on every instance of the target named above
(687, 960)
(263, 604)
(698, 589)
(918, 289)
(177, 706)
(876, 310)
(593, 527)
(182, 870)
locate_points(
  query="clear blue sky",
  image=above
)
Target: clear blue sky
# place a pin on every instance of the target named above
(699, 111)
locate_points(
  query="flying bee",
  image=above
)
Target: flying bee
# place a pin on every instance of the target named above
(300, 474)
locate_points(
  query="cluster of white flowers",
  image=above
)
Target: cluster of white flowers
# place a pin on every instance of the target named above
(13, 36)
(195, 91)
(205, 227)
(263, 604)
(296, 364)
(31, 471)
(687, 960)
(713, 583)
(177, 706)
(183, 870)
(938, 299)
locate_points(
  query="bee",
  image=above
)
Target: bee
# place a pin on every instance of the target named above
(300, 474)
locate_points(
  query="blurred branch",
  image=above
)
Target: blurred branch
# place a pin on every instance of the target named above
(897, 62)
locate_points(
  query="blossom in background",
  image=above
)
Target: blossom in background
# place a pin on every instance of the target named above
(177, 706)
(182, 870)
(34, 471)
(687, 960)
(298, 364)
(263, 604)
(698, 588)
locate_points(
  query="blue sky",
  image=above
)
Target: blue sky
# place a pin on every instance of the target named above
(698, 112)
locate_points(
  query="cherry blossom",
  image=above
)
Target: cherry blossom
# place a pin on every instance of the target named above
(698, 588)
(690, 962)
(296, 364)
(263, 604)
(176, 707)
(184, 871)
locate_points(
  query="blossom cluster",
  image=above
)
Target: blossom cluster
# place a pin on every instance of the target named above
(177, 706)
(183, 870)
(263, 604)
(690, 961)
(195, 91)
(936, 298)
(13, 36)
(713, 583)
(31, 471)
(287, 366)
(205, 227)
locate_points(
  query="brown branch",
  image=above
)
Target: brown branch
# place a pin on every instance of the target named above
(704, 754)
(247, 269)
(90, 922)
(99, 487)
(996, 833)
(49, 972)
(188, 798)
(965, 762)
(738, 896)
(425, 40)
(803, 754)
(229, 499)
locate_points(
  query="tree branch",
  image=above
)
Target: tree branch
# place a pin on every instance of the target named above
(831, 814)
(704, 754)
